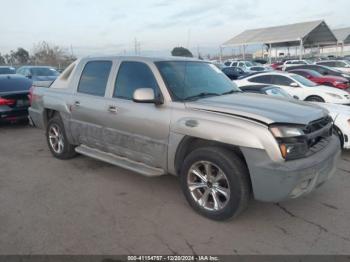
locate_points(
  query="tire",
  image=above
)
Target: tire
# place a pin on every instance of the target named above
(340, 136)
(63, 149)
(236, 184)
(315, 99)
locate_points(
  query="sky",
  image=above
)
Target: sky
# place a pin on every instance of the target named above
(94, 27)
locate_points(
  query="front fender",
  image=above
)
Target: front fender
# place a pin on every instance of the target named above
(236, 131)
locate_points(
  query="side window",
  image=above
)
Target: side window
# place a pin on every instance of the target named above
(339, 64)
(94, 78)
(131, 76)
(281, 80)
(227, 63)
(266, 79)
(302, 73)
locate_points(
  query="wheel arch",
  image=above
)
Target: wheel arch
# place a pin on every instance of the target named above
(190, 143)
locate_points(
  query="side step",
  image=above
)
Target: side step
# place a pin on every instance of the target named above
(120, 161)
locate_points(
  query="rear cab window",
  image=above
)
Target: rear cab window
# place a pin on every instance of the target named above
(94, 78)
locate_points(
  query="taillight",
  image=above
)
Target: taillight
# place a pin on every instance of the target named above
(7, 102)
(30, 95)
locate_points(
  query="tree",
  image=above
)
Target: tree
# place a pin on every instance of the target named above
(46, 54)
(181, 51)
(2, 60)
(21, 56)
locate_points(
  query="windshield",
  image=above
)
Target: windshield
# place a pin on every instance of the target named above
(247, 63)
(304, 81)
(193, 80)
(7, 70)
(274, 91)
(44, 71)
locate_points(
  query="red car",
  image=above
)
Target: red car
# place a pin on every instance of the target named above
(276, 65)
(327, 80)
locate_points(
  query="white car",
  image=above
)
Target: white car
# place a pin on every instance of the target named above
(289, 63)
(247, 66)
(341, 117)
(341, 65)
(339, 113)
(298, 86)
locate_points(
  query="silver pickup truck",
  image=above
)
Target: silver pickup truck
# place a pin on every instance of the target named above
(186, 118)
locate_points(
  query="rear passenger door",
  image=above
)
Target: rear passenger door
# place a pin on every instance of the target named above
(89, 105)
(138, 131)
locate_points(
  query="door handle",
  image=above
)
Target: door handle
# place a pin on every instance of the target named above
(112, 109)
(76, 103)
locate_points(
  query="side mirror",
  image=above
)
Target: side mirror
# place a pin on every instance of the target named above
(28, 76)
(294, 84)
(146, 95)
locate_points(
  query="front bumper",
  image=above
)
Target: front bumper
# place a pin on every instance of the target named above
(278, 181)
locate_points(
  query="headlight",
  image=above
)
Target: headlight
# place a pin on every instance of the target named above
(335, 95)
(286, 131)
(291, 140)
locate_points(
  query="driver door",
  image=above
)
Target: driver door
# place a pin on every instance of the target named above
(137, 131)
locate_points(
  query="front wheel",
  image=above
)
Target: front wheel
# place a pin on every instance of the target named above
(215, 182)
(315, 99)
(57, 139)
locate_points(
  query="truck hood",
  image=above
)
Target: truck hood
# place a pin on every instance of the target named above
(261, 108)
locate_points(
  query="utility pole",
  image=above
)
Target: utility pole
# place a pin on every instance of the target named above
(137, 47)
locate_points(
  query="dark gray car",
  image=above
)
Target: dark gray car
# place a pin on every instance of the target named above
(40, 75)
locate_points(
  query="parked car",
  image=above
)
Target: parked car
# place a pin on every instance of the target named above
(40, 75)
(328, 80)
(289, 63)
(14, 90)
(323, 70)
(339, 113)
(341, 65)
(297, 85)
(185, 117)
(276, 65)
(247, 66)
(7, 70)
(234, 72)
(260, 61)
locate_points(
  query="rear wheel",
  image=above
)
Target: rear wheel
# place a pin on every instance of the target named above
(315, 99)
(215, 182)
(57, 139)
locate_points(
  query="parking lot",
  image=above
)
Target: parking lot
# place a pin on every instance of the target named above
(83, 206)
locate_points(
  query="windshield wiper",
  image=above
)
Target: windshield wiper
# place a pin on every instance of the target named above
(231, 92)
(202, 95)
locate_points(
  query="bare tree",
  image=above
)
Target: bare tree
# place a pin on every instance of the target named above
(46, 54)
(2, 60)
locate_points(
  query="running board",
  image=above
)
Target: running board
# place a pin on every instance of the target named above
(123, 162)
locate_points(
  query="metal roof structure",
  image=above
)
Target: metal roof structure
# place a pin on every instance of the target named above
(343, 35)
(310, 34)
